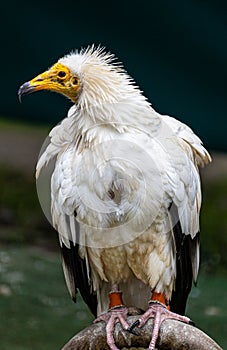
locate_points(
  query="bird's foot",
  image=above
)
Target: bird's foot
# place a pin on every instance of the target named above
(117, 313)
(114, 315)
(160, 313)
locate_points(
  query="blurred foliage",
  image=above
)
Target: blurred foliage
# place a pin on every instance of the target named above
(214, 225)
(207, 306)
(21, 217)
(36, 314)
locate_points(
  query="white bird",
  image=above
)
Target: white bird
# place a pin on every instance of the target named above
(125, 193)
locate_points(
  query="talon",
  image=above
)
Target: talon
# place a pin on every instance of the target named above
(131, 328)
(191, 323)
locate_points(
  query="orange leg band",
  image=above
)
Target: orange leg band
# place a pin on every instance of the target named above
(115, 300)
(160, 297)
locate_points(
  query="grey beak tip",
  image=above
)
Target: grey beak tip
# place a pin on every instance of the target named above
(26, 88)
(19, 96)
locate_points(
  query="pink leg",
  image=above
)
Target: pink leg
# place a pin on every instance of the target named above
(117, 313)
(160, 313)
(111, 318)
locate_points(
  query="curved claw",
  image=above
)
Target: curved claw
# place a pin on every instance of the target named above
(131, 328)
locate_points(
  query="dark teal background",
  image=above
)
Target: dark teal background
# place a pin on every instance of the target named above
(175, 50)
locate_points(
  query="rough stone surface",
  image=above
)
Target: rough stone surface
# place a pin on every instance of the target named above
(173, 335)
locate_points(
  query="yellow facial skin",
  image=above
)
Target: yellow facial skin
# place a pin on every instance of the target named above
(58, 78)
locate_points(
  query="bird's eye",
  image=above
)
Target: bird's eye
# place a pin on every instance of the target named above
(61, 74)
(74, 81)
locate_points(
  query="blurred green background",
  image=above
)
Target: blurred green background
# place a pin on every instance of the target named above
(176, 51)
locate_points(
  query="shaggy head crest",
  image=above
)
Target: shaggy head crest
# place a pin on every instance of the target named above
(80, 61)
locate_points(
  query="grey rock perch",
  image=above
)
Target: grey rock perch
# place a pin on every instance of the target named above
(173, 335)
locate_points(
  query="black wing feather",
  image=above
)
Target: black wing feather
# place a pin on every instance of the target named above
(186, 250)
(76, 275)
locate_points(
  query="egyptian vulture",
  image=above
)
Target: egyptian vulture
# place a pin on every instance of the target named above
(125, 193)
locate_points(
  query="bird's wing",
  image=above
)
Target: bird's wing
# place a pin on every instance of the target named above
(76, 275)
(186, 154)
(76, 269)
(184, 133)
(187, 263)
(186, 157)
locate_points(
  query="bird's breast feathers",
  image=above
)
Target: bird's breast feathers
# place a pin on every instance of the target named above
(125, 179)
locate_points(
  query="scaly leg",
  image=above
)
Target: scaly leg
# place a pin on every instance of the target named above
(117, 313)
(158, 310)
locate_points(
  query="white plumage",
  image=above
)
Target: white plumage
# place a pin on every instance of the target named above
(121, 167)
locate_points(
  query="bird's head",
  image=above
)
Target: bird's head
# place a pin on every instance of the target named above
(58, 78)
(90, 73)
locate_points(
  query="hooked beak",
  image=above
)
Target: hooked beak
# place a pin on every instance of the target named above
(58, 79)
(26, 88)
(40, 82)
